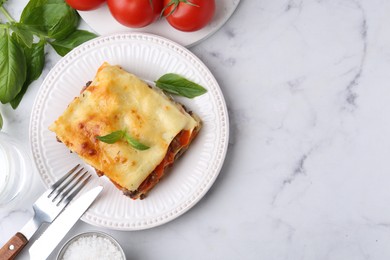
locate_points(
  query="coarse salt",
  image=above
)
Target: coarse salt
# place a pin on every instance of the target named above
(92, 247)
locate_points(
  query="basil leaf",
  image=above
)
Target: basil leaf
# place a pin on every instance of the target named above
(36, 62)
(178, 85)
(112, 137)
(62, 47)
(118, 135)
(66, 25)
(12, 67)
(135, 144)
(56, 20)
(33, 4)
(35, 57)
(24, 35)
(1, 121)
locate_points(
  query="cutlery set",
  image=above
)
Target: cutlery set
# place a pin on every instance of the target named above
(51, 207)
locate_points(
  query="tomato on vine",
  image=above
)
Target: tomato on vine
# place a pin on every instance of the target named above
(189, 15)
(135, 13)
(85, 5)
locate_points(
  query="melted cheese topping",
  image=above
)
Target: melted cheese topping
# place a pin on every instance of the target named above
(117, 100)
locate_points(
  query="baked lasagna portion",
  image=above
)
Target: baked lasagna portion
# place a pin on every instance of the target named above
(119, 101)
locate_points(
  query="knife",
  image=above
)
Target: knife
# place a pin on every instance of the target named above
(53, 235)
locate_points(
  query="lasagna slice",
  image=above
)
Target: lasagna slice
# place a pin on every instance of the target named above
(119, 101)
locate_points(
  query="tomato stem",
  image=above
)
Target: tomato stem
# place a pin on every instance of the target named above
(151, 4)
(176, 4)
(188, 2)
(172, 2)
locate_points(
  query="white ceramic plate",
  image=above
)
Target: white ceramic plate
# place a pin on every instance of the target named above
(103, 23)
(149, 57)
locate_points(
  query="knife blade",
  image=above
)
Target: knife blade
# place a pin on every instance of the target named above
(53, 235)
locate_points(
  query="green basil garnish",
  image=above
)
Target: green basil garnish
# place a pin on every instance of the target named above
(137, 145)
(112, 137)
(119, 135)
(178, 85)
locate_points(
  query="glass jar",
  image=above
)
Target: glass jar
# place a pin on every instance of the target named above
(15, 172)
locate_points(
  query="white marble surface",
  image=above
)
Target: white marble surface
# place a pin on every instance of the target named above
(307, 174)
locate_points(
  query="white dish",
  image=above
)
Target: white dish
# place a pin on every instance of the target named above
(149, 57)
(105, 242)
(103, 23)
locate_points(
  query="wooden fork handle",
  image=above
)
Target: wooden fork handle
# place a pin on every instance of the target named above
(13, 246)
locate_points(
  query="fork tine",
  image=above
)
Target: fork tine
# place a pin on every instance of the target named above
(70, 187)
(64, 185)
(76, 187)
(63, 178)
(77, 190)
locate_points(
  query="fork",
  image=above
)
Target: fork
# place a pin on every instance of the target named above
(47, 207)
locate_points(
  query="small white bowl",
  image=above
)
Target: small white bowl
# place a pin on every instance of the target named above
(91, 235)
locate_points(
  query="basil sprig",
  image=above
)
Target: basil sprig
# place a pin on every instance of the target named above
(12, 67)
(120, 135)
(62, 47)
(22, 43)
(136, 144)
(35, 61)
(112, 137)
(178, 85)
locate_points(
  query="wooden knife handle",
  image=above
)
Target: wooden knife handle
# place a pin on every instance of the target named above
(13, 246)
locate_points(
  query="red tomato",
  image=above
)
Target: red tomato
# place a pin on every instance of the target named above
(85, 5)
(189, 15)
(135, 13)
